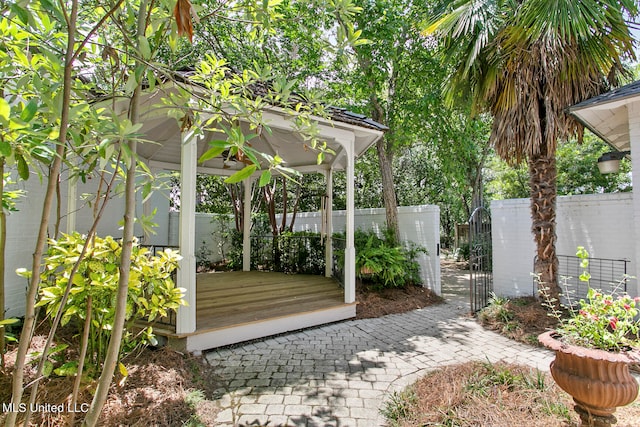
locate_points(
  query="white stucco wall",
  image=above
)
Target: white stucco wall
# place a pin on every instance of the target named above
(22, 232)
(602, 223)
(113, 215)
(207, 233)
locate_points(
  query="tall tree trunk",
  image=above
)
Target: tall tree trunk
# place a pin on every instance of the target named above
(3, 245)
(383, 147)
(542, 181)
(52, 181)
(385, 158)
(117, 330)
(388, 189)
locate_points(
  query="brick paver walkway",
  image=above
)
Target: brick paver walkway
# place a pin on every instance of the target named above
(341, 374)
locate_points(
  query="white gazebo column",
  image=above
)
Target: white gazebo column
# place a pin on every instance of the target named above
(246, 226)
(147, 209)
(72, 196)
(328, 212)
(186, 319)
(633, 110)
(350, 250)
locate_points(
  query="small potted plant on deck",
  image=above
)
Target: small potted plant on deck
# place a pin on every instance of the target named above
(594, 347)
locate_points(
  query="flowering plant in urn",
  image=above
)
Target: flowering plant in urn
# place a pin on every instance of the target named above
(605, 321)
(593, 348)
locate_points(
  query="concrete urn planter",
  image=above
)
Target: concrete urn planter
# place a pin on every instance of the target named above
(598, 380)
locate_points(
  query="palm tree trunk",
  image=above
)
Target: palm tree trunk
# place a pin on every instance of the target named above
(542, 180)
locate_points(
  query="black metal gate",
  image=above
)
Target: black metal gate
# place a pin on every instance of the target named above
(480, 258)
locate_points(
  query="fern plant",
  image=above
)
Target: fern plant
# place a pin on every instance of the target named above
(386, 264)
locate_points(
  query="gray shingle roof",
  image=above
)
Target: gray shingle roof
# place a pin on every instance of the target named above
(627, 91)
(336, 113)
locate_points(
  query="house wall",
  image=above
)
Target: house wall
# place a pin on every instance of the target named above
(633, 111)
(602, 223)
(419, 224)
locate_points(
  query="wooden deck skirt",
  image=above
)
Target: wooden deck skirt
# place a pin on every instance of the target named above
(232, 307)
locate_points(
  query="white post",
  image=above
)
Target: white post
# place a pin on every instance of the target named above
(72, 196)
(633, 110)
(350, 250)
(246, 227)
(146, 211)
(186, 319)
(328, 211)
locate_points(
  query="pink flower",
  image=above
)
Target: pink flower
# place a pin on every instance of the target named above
(583, 313)
(627, 307)
(613, 323)
(608, 302)
(637, 299)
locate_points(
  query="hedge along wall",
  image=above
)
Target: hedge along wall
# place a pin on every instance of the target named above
(602, 223)
(418, 224)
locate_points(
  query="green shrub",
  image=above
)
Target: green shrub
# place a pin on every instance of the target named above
(399, 406)
(235, 252)
(152, 291)
(496, 311)
(463, 253)
(385, 264)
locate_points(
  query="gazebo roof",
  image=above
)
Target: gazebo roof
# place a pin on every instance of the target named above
(606, 115)
(165, 137)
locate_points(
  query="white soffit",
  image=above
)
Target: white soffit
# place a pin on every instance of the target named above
(163, 140)
(606, 115)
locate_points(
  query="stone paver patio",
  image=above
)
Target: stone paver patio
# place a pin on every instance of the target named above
(341, 374)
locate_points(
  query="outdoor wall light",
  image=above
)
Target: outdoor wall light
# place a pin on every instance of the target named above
(610, 162)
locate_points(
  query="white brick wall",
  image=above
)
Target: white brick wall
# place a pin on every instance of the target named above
(207, 233)
(602, 223)
(513, 248)
(22, 232)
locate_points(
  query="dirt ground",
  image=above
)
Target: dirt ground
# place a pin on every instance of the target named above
(372, 303)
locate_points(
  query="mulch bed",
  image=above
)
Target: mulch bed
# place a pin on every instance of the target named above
(375, 303)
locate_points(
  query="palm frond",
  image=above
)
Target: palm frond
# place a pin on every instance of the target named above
(527, 61)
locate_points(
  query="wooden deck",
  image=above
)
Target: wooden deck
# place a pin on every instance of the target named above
(237, 297)
(238, 306)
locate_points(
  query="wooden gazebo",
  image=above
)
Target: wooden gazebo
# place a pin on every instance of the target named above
(216, 313)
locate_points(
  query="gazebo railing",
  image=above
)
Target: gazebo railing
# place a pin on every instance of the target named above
(298, 253)
(154, 249)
